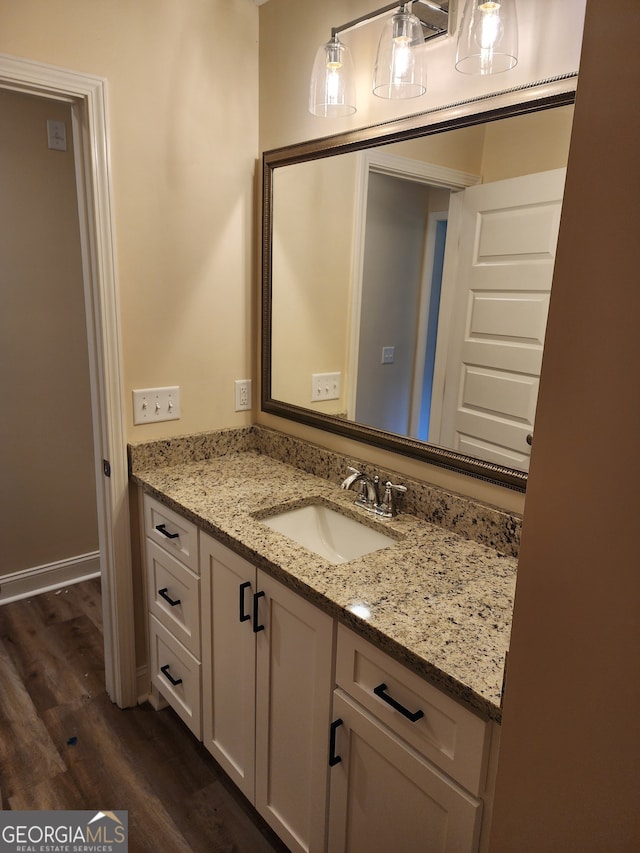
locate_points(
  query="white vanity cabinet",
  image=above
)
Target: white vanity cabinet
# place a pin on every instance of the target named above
(267, 660)
(409, 764)
(339, 747)
(173, 600)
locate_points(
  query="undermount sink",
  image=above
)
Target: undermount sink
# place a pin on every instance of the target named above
(336, 537)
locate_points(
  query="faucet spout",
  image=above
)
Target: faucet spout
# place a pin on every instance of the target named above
(368, 487)
(354, 477)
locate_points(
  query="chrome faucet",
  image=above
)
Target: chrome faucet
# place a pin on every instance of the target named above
(369, 493)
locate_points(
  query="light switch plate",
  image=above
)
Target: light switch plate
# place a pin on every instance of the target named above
(156, 404)
(325, 386)
(56, 135)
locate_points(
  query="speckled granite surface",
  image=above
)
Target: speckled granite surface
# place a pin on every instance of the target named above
(439, 602)
(485, 524)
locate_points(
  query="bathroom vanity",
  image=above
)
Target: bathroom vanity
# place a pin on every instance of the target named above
(355, 704)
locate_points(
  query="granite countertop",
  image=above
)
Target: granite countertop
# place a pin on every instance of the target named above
(439, 603)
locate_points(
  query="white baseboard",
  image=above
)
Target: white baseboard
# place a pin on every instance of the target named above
(52, 576)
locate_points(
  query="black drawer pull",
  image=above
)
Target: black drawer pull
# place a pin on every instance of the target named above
(163, 594)
(413, 716)
(161, 528)
(244, 616)
(256, 597)
(333, 758)
(165, 671)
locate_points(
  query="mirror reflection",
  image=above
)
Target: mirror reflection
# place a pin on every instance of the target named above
(410, 283)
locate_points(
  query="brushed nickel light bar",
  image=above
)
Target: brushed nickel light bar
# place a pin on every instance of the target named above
(487, 44)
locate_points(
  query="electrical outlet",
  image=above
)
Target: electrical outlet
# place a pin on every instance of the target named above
(156, 404)
(243, 394)
(325, 386)
(388, 355)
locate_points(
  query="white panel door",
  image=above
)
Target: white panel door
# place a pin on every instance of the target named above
(228, 661)
(386, 797)
(499, 297)
(293, 698)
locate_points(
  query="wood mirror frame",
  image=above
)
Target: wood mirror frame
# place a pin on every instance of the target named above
(527, 99)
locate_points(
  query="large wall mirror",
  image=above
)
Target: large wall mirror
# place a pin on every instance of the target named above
(406, 282)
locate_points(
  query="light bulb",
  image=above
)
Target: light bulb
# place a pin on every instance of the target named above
(488, 37)
(489, 28)
(332, 90)
(400, 69)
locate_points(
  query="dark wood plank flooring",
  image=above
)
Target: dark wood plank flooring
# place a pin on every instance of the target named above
(65, 745)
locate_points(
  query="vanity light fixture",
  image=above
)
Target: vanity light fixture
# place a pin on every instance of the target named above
(488, 38)
(400, 69)
(487, 44)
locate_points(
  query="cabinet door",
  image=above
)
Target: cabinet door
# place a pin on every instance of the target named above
(228, 661)
(293, 697)
(384, 796)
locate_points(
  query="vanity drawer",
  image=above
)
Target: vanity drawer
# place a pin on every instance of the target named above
(449, 735)
(175, 673)
(174, 596)
(171, 532)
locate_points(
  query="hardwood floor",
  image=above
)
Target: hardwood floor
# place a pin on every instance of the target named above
(65, 745)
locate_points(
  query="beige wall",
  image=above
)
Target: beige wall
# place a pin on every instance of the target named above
(290, 32)
(569, 779)
(313, 214)
(47, 478)
(535, 143)
(183, 103)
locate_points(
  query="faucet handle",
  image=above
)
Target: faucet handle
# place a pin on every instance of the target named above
(389, 505)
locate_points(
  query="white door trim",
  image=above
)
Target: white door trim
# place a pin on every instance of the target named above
(423, 318)
(87, 96)
(399, 167)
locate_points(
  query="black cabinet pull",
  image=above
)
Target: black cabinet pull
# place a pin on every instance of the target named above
(414, 716)
(163, 594)
(165, 671)
(333, 758)
(256, 597)
(161, 528)
(243, 616)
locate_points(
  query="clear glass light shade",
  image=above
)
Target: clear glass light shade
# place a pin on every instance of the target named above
(488, 38)
(400, 70)
(332, 87)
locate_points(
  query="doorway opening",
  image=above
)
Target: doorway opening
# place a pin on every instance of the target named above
(402, 210)
(86, 97)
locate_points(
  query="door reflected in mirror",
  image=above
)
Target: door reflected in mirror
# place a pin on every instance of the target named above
(410, 284)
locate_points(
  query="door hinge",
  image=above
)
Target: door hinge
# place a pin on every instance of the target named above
(106, 467)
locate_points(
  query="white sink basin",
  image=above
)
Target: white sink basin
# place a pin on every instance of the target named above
(336, 537)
